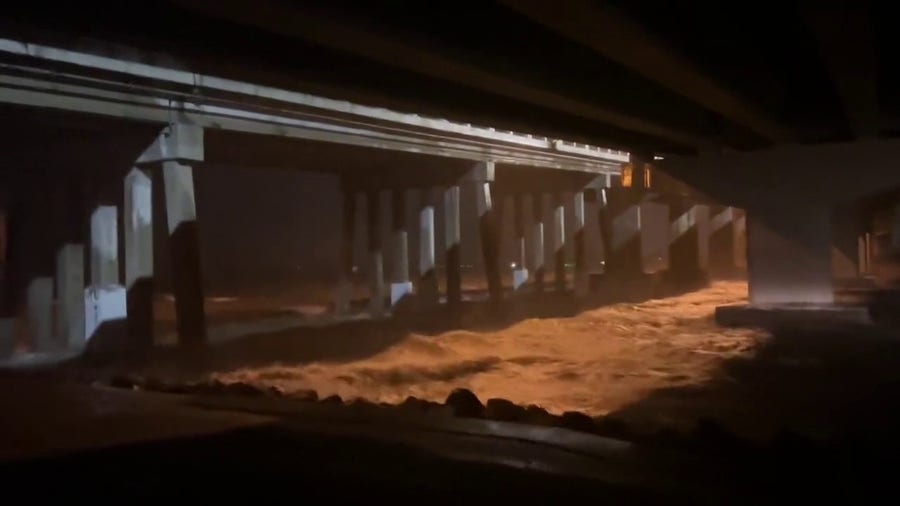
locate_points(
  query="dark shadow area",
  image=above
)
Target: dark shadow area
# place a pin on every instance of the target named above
(273, 460)
(841, 385)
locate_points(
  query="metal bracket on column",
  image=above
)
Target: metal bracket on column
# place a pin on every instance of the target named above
(177, 141)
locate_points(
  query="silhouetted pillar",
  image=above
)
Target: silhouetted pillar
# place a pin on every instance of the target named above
(537, 241)
(176, 146)
(4, 257)
(621, 221)
(104, 299)
(453, 238)
(344, 293)
(138, 231)
(593, 234)
(184, 243)
(40, 313)
(520, 274)
(847, 252)
(895, 229)
(376, 256)
(7, 304)
(428, 283)
(580, 281)
(723, 242)
(559, 243)
(688, 244)
(789, 255)
(401, 286)
(7, 337)
(482, 176)
(70, 295)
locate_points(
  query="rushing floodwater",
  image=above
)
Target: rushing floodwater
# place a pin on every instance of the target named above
(596, 362)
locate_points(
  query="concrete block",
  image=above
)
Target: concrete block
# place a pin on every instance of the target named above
(520, 278)
(138, 229)
(70, 294)
(103, 306)
(104, 246)
(789, 250)
(400, 290)
(40, 313)
(177, 141)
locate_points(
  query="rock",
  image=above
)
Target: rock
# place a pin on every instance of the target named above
(613, 427)
(333, 399)
(577, 421)
(360, 403)
(175, 388)
(503, 410)
(242, 389)
(710, 434)
(154, 385)
(130, 382)
(274, 392)
(212, 386)
(537, 415)
(305, 395)
(415, 404)
(465, 403)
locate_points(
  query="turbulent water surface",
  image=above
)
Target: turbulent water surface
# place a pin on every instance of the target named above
(596, 362)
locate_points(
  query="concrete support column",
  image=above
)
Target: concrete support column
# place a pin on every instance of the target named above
(482, 177)
(138, 230)
(537, 241)
(7, 336)
(70, 295)
(581, 280)
(428, 284)
(401, 286)
(4, 257)
(688, 244)
(865, 253)
(104, 301)
(847, 255)
(7, 290)
(377, 293)
(344, 294)
(520, 274)
(789, 256)
(895, 229)
(452, 241)
(39, 297)
(723, 242)
(593, 249)
(559, 243)
(104, 246)
(184, 244)
(621, 225)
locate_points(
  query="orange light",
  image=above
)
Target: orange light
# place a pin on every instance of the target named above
(627, 170)
(647, 176)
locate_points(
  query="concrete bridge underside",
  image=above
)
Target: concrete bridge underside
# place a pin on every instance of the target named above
(811, 176)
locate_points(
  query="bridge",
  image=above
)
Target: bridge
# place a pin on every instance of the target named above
(687, 134)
